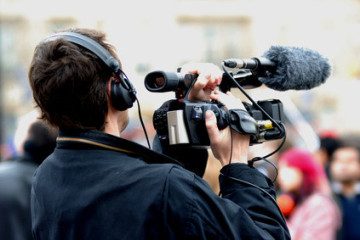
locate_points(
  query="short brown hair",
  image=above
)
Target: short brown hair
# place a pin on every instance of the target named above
(69, 82)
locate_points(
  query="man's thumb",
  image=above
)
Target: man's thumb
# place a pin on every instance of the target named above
(211, 126)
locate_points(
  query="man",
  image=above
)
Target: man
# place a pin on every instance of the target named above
(345, 172)
(15, 181)
(97, 185)
(329, 142)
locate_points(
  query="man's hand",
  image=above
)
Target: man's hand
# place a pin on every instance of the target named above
(209, 77)
(227, 146)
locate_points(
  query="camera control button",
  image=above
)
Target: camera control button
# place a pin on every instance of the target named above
(197, 113)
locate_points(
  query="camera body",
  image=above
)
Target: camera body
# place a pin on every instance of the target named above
(182, 122)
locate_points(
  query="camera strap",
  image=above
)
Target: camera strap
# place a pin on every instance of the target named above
(241, 121)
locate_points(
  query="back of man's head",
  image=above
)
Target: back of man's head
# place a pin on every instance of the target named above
(329, 145)
(40, 141)
(69, 82)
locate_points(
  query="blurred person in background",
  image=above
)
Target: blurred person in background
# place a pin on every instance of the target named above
(314, 214)
(15, 181)
(345, 173)
(329, 142)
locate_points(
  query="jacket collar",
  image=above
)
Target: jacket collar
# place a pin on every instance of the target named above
(93, 139)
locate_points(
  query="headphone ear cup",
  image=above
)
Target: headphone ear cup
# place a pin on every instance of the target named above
(121, 99)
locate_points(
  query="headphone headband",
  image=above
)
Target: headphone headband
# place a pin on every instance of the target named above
(89, 44)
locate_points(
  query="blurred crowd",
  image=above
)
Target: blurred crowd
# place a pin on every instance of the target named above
(318, 192)
(16, 174)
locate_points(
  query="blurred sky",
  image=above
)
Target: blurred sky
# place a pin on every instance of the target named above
(164, 34)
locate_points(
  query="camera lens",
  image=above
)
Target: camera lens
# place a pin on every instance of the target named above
(159, 82)
(155, 81)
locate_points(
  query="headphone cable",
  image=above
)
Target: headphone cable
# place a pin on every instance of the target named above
(142, 122)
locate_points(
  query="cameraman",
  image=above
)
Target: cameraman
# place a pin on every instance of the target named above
(97, 185)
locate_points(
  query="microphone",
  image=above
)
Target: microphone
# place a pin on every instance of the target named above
(251, 63)
(285, 68)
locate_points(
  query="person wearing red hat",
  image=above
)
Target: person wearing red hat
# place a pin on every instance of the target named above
(314, 214)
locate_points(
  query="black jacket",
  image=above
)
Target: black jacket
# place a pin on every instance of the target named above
(97, 186)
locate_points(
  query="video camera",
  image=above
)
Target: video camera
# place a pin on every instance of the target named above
(180, 121)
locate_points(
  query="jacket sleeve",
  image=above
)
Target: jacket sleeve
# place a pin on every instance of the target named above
(246, 210)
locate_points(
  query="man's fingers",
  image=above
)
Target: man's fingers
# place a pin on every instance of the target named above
(207, 72)
(212, 129)
(230, 101)
(201, 82)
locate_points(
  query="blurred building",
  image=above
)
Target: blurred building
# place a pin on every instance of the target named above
(163, 34)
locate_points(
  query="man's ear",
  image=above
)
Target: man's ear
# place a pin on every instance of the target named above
(108, 92)
(108, 86)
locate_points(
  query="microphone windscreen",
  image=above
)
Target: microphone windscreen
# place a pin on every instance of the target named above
(296, 68)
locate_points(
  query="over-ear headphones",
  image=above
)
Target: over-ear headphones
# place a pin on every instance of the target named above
(123, 94)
